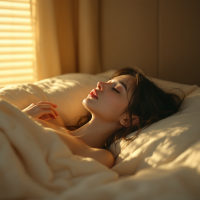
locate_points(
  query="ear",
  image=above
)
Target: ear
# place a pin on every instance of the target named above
(126, 122)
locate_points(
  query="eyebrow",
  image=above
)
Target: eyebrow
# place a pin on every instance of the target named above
(123, 85)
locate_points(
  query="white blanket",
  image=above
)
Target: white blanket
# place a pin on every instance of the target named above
(35, 163)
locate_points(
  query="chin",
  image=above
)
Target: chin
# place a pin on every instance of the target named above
(94, 109)
(86, 104)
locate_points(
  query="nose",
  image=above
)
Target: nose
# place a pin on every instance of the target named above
(100, 86)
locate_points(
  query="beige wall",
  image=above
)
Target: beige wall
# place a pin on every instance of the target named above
(160, 36)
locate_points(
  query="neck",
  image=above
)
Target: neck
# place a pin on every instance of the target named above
(95, 132)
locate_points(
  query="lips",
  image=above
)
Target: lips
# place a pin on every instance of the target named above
(93, 94)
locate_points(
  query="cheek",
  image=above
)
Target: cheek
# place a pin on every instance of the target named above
(112, 105)
(112, 101)
(109, 107)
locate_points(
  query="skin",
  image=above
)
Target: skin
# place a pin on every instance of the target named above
(106, 111)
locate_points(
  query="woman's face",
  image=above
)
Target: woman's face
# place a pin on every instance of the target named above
(113, 98)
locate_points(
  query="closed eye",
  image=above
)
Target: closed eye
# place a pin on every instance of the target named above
(116, 90)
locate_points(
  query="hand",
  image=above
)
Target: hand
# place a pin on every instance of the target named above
(42, 110)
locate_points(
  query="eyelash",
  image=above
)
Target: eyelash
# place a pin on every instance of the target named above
(116, 90)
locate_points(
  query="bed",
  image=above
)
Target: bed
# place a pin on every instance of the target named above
(163, 162)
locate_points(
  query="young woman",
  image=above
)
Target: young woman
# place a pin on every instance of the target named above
(125, 103)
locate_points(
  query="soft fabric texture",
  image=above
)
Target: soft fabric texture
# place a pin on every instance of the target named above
(34, 162)
(161, 163)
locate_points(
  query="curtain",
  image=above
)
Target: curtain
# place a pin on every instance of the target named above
(77, 28)
(47, 51)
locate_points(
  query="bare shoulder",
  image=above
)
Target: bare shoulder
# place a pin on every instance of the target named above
(103, 156)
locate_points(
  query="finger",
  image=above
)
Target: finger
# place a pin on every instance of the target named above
(47, 118)
(50, 112)
(47, 113)
(53, 109)
(43, 116)
(46, 102)
(45, 107)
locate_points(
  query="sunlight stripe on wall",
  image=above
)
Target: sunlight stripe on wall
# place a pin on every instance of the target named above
(17, 43)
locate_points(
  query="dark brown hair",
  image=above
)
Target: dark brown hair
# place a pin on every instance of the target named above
(148, 102)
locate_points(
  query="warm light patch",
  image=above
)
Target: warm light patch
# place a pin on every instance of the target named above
(15, 49)
(167, 147)
(17, 43)
(17, 72)
(10, 12)
(15, 80)
(9, 65)
(24, 35)
(5, 20)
